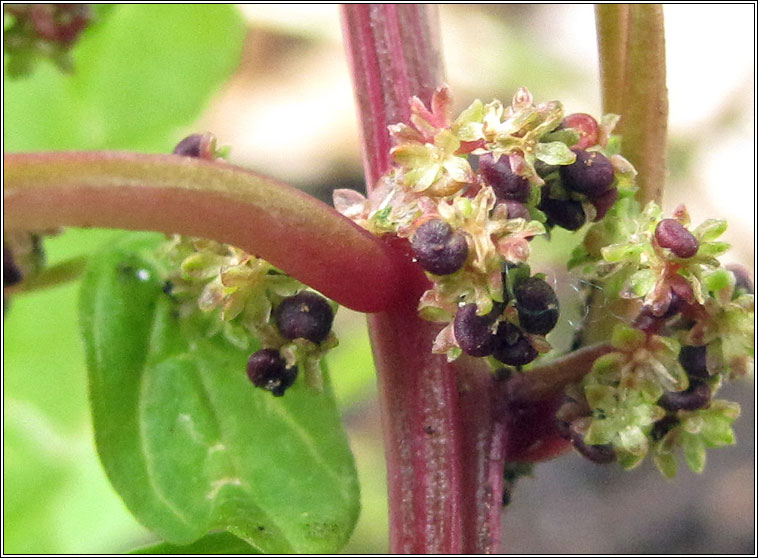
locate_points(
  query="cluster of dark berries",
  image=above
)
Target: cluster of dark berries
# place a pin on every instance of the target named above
(306, 315)
(42, 30)
(590, 177)
(479, 336)
(696, 396)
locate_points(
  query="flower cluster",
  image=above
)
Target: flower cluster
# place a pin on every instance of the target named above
(34, 31)
(469, 193)
(247, 298)
(655, 392)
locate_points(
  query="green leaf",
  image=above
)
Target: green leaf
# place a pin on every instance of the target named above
(694, 453)
(138, 76)
(642, 282)
(666, 464)
(213, 543)
(710, 229)
(712, 249)
(555, 153)
(188, 443)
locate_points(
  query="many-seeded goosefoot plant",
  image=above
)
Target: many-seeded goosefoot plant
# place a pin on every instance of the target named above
(436, 253)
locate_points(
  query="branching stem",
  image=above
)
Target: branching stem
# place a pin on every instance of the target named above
(297, 233)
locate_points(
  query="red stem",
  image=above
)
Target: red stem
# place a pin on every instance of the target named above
(295, 232)
(443, 446)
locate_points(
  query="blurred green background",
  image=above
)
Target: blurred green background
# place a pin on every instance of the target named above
(287, 68)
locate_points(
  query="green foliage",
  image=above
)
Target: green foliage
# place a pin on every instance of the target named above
(185, 439)
(214, 543)
(140, 73)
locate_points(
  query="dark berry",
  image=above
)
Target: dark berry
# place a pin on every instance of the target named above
(268, 370)
(12, 275)
(507, 184)
(671, 234)
(195, 145)
(517, 210)
(600, 453)
(537, 306)
(438, 248)
(742, 280)
(692, 359)
(512, 347)
(604, 202)
(474, 333)
(563, 428)
(591, 174)
(662, 427)
(697, 396)
(585, 125)
(564, 213)
(306, 315)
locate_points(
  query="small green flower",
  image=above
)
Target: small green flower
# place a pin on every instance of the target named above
(433, 168)
(621, 418)
(238, 291)
(694, 432)
(726, 326)
(644, 364)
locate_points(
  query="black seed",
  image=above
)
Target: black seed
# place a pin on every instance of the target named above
(306, 315)
(563, 428)
(604, 202)
(697, 396)
(537, 305)
(564, 213)
(195, 145)
(600, 453)
(12, 274)
(438, 248)
(742, 280)
(662, 427)
(474, 333)
(692, 359)
(591, 174)
(268, 370)
(512, 347)
(507, 184)
(671, 234)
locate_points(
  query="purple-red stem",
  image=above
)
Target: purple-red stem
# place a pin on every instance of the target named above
(444, 448)
(172, 194)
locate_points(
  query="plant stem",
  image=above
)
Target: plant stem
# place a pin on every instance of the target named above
(58, 274)
(633, 75)
(444, 446)
(302, 236)
(612, 23)
(645, 117)
(547, 380)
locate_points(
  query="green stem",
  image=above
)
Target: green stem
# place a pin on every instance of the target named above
(646, 101)
(70, 270)
(612, 23)
(300, 235)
